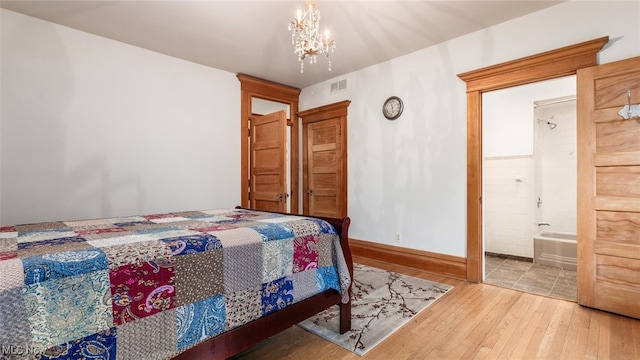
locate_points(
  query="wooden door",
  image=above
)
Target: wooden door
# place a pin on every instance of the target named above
(324, 160)
(268, 158)
(609, 189)
(324, 168)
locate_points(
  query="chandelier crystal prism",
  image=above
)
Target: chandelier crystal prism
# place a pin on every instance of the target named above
(306, 38)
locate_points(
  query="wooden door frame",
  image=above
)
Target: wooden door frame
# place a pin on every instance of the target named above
(251, 87)
(325, 112)
(544, 66)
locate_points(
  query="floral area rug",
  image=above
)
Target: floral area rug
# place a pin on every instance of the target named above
(382, 301)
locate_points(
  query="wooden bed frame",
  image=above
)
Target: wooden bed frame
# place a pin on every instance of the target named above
(244, 337)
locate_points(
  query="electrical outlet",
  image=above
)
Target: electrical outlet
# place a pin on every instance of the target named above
(397, 237)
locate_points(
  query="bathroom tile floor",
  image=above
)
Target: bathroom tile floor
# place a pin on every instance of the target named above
(534, 278)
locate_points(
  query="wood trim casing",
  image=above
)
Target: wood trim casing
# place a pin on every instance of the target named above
(325, 112)
(266, 89)
(548, 65)
(251, 87)
(447, 265)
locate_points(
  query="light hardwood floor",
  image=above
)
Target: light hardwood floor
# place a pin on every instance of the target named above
(479, 321)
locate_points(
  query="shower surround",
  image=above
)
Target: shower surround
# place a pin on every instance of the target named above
(556, 184)
(555, 171)
(522, 191)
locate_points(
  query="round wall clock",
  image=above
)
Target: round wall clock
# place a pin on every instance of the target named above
(392, 108)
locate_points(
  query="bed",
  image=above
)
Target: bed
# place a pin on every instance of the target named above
(185, 285)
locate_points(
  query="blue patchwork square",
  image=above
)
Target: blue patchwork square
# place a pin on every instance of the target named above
(51, 242)
(200, 320)
(277, 259)
(277, 295)
(101, 345)
(324, 226)
(272, 232)
(191, 244)
(83, 300)
(327, 278)
(134, 223)
(64, 264)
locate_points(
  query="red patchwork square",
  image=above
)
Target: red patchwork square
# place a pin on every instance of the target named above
(141, 289)
(305, 253)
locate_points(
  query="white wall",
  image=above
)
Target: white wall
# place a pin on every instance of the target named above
(409, 175)
(507, 115)
(93, 127)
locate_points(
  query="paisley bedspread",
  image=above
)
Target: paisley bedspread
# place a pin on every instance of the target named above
(149, 287)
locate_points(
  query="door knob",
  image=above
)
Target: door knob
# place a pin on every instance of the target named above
(310, 192)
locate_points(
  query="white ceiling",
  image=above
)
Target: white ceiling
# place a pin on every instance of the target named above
(251, 37)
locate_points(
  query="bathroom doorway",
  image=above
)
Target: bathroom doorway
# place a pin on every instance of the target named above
(529, 187)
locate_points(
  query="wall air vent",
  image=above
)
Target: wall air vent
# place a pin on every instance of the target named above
(338, 86)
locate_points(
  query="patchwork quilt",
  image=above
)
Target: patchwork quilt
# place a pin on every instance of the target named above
(149, 287)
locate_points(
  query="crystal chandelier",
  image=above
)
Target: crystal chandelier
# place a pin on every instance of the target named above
(306, 38)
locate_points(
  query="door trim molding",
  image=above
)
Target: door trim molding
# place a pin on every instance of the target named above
(325, 112)
(544, 66)
(251, 87)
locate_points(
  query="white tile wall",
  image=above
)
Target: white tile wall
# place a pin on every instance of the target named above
(555, 159)
(509, 205)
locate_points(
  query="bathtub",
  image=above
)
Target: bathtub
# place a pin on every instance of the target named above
(555, 249)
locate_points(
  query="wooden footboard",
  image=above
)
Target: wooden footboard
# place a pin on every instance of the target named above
(342, 227)
(248, 335)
